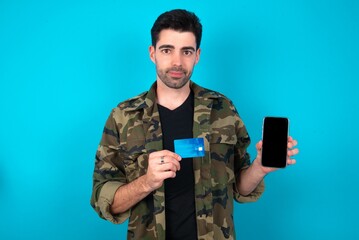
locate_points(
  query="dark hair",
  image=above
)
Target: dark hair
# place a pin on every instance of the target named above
(179, 20)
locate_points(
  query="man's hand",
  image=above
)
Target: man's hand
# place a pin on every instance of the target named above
(161, 165)
(250, 177)
(292, 151)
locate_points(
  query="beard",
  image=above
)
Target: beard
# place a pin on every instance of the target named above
(173, 82)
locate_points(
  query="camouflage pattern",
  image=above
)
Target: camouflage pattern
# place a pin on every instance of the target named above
(133, 131)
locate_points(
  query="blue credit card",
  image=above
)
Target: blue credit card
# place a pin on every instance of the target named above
(190, 147)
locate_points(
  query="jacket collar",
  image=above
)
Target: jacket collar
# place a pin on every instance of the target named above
(148, 98)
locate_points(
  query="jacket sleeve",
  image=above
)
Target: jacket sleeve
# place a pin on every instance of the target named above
(242, 161)
(109, 173)
(255, 194)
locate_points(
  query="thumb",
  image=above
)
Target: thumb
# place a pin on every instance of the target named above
(259, 151)
(259, 146)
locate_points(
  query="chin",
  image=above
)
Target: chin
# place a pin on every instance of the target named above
(175, 83)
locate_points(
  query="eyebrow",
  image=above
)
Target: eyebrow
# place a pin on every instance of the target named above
(189, 48)
(172, 47)
(166, 46)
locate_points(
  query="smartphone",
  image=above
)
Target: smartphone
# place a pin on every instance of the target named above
(275, 140)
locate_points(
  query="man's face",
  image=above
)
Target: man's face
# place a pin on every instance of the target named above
(175, 56)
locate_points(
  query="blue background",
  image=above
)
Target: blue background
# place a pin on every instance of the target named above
(65, 64)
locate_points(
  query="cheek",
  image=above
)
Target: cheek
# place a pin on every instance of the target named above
(189, 65)
(162, 62)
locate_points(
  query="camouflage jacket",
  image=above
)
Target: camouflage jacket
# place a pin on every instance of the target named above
(133, 130)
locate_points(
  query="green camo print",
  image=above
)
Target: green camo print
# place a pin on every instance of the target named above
(133, 131)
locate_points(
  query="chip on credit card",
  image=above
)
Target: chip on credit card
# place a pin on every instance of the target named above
(189, 147)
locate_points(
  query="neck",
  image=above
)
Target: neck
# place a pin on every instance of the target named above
(172, 98)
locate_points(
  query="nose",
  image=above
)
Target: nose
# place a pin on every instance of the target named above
(177, 59)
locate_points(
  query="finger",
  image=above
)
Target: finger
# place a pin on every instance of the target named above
(259, 145)
(291, 161)
(170, 160)
(293, 152)
(165, 162)
(162, 164)
(166, 153)
(292, 143)
(167, 174)
(159, 177)
(167, 167)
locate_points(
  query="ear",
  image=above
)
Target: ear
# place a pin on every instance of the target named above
(198, 53)
(152, 51)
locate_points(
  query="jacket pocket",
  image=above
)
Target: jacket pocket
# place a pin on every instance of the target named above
(222, 158)
(135, 158)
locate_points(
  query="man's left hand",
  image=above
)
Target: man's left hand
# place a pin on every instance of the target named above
(292, 151)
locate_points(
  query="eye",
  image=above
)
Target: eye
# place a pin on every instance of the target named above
(166, 50)
(187, 52)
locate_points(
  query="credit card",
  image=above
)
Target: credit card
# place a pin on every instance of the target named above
(189, 147)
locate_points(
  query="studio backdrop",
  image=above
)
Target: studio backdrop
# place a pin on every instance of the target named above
(65, 64)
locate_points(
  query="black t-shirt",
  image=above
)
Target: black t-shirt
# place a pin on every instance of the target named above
(179, 191)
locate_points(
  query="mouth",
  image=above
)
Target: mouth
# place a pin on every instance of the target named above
(176, 74)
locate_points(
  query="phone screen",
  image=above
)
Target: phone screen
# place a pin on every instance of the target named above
(275, 138)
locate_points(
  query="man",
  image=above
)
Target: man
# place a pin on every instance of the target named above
(137, 174)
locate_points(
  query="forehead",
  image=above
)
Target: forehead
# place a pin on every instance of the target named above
(176, 38)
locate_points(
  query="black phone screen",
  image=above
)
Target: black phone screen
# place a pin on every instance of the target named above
(275, 138)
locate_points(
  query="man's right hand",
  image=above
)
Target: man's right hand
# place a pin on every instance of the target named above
(161, 165)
